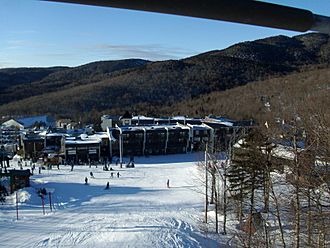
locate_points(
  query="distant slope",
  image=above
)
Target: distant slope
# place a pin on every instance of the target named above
(64, 78)
(307, 49)
(305, 91)
(14, 76)
(148, 87)
(156, 83)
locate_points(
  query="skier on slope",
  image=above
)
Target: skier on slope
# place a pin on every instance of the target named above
(168, 183)
(86, 180)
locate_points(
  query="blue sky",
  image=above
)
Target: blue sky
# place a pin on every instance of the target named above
(35, 33)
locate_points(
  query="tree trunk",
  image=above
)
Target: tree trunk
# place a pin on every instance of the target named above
(240, 206)
(297, 197)
(216, 209)
(267, 181)
(309, 218)
(213, 191)
(278, 215)
(251, 214)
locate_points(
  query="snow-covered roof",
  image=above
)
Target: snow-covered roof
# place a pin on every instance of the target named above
(177, 127)
(81, 141)
(84, 142)
(225, 123)
(219, 120)
(132, 128)
(239, 143)
(110, 117)
(142, 117)
(182, 118)
(43, 133)
(284, 152)
(85, 139)
(199, 127)
(153, 127)
(55, 134)
(179, 118)
(95, 137)
(12, 123)
(101, 135)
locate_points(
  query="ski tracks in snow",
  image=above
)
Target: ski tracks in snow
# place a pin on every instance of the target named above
(119, 231)
(176, 233)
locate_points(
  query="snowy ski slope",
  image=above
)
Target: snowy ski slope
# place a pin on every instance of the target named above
(137, 211)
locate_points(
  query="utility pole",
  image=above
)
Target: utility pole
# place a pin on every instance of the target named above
(121, 148)
(206, 182)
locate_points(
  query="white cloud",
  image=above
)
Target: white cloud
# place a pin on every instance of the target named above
(6, 64)
(27, 53)
(148, 51)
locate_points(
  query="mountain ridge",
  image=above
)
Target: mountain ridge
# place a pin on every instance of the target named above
(144, 86)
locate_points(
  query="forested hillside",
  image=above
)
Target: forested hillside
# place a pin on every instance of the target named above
(24, 82)
(306, 91)
(160, 87)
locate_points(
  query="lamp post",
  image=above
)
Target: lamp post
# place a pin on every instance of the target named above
(121, 147)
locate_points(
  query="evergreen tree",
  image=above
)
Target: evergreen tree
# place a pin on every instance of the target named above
(246, 172)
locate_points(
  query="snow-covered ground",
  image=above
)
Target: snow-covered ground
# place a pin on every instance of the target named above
(137, 211)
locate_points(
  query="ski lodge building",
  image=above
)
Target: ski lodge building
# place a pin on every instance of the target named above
(129, 136)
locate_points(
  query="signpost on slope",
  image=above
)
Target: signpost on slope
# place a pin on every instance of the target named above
(206, 197)
(50, 201)
(43, 204)
(16, 206)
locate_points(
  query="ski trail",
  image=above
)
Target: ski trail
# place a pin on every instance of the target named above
(137, 211)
